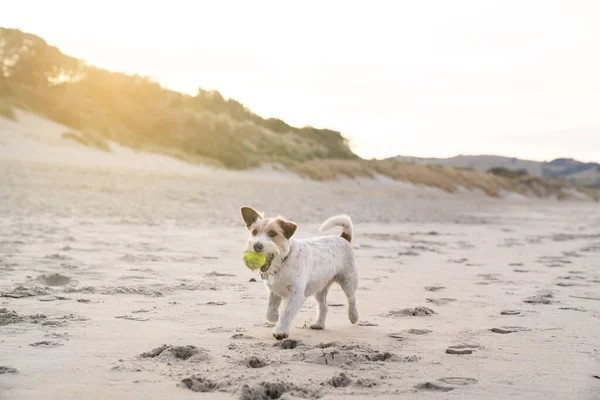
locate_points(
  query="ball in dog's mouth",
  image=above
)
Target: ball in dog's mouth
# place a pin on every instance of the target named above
(267, 265)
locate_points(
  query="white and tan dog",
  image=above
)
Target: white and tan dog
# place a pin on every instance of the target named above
(299, 268)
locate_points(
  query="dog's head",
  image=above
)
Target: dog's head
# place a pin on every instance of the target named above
(269, 237)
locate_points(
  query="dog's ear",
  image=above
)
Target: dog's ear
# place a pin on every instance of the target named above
(288, 227)
(250, 216)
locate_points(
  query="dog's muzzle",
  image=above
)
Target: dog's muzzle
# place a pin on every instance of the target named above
(267, 265)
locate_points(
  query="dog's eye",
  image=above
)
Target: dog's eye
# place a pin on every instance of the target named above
(272, 234)
(254, 232)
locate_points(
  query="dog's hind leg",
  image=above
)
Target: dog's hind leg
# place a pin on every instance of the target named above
(321, 308)
(273, 307)
(349, 283)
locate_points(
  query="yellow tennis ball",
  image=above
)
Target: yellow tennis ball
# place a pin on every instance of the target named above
(254, 260)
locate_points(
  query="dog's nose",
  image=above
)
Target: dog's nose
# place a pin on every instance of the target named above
(258, 247)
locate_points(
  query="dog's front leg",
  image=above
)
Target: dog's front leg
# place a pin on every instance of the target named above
(290, 309)
(273, 307)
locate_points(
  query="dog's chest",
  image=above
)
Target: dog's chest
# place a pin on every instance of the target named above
(281, 288)
(286, 283)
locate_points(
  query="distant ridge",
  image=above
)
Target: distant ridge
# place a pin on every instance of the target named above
(573, 171)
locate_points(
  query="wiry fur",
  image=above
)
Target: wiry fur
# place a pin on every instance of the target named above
(300, 268)
(339, 220)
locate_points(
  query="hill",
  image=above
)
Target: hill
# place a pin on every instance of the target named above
(573, 171)
(134, 111)
(107, 110)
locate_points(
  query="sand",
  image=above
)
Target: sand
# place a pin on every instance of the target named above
(124, 280)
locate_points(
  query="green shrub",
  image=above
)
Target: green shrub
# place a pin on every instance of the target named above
(507, 173)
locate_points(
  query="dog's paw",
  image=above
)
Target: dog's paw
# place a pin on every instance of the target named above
(353, 316)
(317, 326)
(280, 335)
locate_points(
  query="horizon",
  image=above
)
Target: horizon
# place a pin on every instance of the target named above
(465, 79)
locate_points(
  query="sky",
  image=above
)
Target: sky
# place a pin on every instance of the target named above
(416, 78)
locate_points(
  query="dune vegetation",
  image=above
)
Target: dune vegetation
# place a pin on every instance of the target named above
(135, 111)
(446, 178)
(100, 106)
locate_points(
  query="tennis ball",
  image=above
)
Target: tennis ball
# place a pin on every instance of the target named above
(254, 260)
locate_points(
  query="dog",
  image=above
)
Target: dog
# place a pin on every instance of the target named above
(299, 268)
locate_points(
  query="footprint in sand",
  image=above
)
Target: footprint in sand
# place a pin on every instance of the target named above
(276, 390)
(199, 384)
(502, 331)
(215, 303)
(57, 256)
(572, 277)
(434, 288)
(335, 354)
(22, 291)
(540, 299)
(490, 277)
(168, 353)
(412, 312)
(458, 260)
(462, 349)
(408, 253)
(459, 351)
(340, 380)
(570, 284)
(52, 298)
(133, 318)
(419, 331)
(242, 336)
(458, 381)
(46, 343)
(510, 312)
(509, 329)
(365, 383)
(287, 344)
(433, 387)
(255, 362)
(54, 280)
(440, 301)
(397, 336)
(572, 308)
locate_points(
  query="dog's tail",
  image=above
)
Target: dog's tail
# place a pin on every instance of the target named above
(339, 220)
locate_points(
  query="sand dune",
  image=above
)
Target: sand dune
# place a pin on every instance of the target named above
(122, 279)
(36, 140)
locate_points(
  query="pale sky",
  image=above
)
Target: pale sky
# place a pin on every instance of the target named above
(420, 78)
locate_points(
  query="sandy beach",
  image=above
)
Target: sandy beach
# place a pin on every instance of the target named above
(122, 278)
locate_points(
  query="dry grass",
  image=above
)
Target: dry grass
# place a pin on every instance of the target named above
(88, 139)
(7, 111)
(445, 178)
(182, 155)
(326, 170)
